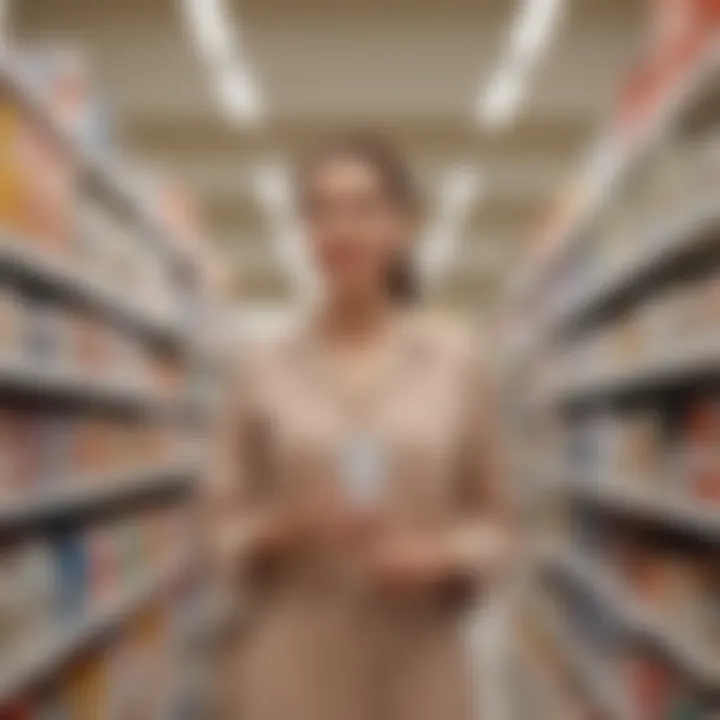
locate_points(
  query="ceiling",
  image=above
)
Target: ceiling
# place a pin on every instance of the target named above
(412, 68)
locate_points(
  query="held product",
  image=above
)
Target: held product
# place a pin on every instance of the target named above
(363, 468)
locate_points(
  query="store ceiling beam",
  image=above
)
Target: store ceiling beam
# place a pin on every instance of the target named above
(228, 176)
(505, 214)
(531, 141)
(487, 9)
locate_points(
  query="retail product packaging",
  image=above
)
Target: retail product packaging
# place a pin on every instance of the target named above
(92, 450)
(92, 343)
(50, 704)
(19, 709)
(8, 459)
(38, 181)
(700, 437)
(19, 435)
(28, 592)
(11, 325)
(60, 75)
(104, 571)
(179, 213)
(86, 688)
(72, 570)
(681, 32)
(651, 685)
(46, 335)
(55, 453)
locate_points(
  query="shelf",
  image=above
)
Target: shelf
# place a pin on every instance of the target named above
(31, 267)
(678, 366)
(96, 496)
(667, 245)
(547, 694)
(643, 623)
(72, 388)
(54, 652)
(107, 176)
(589, 672)
(688, 92)
(660, 508)
(533, 683)
(100, 172)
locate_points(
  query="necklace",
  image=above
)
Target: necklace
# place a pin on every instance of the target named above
(362, 455)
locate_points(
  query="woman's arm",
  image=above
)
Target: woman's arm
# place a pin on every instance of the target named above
(251, 528)
(474, 549)
(242, 525)
(479, 545)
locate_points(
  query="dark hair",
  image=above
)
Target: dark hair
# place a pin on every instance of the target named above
(397, 182)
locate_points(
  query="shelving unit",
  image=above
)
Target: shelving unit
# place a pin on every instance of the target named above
(674, 366)
(682, 239)
(670, 112)
(620, 382)
(593, 677)
(100, 432)
(51, 654)
(23, 266)
(99, 173)
(98, 495)
(698, 663)
(72, 387)
(622, 497)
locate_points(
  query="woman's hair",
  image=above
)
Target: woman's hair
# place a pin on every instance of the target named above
(397, 183)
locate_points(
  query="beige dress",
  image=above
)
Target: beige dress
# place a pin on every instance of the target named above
(321, 644)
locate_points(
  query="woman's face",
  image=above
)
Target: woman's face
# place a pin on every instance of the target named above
(355, 230)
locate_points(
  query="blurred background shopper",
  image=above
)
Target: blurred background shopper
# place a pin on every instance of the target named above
(361, 497)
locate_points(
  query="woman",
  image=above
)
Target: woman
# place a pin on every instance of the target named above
(359, 500)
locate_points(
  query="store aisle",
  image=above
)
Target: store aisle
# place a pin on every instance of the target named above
(153, 231)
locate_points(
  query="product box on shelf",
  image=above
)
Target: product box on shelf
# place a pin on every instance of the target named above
(700, 436)
(60, 76)
(54, 452)
(113, 254)
(28, 587)
(104, 565)
(23, 708)
(38, 179)
(73, 576)
(85, 688)
(11, 325)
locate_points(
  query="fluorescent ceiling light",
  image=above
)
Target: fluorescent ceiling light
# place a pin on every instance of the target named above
(531, 33)
(220, 48)
(292, 254)
(264, 320)
(238, 95)
(502, 101)
(272, 187)
(533, 28)
(210, 28)
(274, 192)
(459, 188)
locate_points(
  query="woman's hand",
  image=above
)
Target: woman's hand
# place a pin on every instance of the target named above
(418, 563)
(320, 523)
(409, 564)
